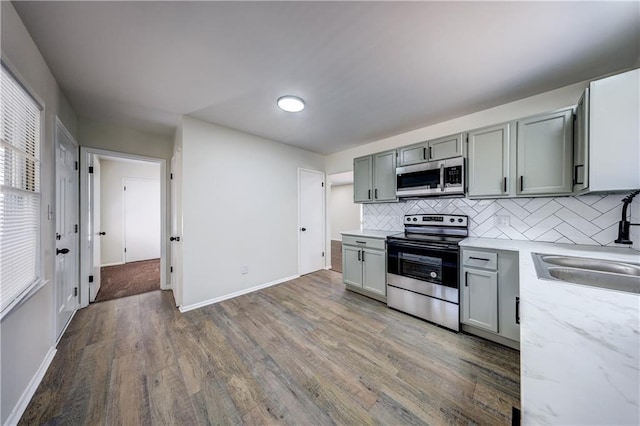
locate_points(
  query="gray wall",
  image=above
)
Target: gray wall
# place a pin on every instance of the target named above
(27, 333)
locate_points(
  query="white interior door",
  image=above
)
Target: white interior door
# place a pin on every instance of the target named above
(141, 219)
(96, 231)
(176, 227)
(67, 242)
(311, 221)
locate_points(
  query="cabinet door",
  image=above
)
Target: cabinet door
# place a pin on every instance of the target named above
(374, 271)
(362, 179)
(581, 144)
(413, 154)
(489, 161)
(508, 293)
(445, 147)
(545, 154)
(480, 299)
(614, 140)
(352, 265)
(384, 176)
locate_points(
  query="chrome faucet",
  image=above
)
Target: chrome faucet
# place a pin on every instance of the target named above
(623, 225)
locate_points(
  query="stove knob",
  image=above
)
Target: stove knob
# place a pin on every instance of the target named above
(452, 220)
(460, 220)
(415, 219)
(408, 219)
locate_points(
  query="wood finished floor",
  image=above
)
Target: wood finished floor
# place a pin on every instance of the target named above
(303, 352)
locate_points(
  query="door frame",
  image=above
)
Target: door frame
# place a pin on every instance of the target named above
(59, 125)
(324, 217)
(86, 260)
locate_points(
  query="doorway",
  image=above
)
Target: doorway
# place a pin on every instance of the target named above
(311, 221)
(344, 214)
(124, 217)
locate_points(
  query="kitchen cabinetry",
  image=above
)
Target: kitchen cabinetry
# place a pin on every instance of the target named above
(374, 177)
(544, 147)
(489, 286)
(432, 150)
(614, 137)
(488, 164)
(530, 156)
(364, 265)
(445, 147)
(581, 144)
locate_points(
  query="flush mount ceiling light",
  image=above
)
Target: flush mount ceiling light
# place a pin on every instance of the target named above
(291, 103)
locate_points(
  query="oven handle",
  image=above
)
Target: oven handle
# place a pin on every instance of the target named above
(422, 246)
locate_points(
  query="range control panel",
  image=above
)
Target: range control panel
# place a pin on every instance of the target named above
(435, 219)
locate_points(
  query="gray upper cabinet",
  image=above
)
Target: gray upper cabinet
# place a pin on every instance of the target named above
(412, 154)
(374, 177)
(362, 179)
(544, 149)
(445, 147)
(488, 163)
(384, 176)
(581, 144)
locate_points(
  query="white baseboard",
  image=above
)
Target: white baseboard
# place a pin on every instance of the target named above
(26, 396)
(111, 264)
(187, 308)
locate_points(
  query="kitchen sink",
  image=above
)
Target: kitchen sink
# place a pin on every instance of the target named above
(607, 274)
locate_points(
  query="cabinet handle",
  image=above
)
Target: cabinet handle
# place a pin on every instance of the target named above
(430, 152)
(517, 310)
(363, 255)
(521, 183)
(375, 192)
(424, 152)
(575, 175)
(361, 242)
(369, 196)
(504, 185)
(358, 255)
(478, 258)
(466, 279)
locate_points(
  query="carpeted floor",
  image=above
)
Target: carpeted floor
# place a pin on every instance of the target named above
(128, 279)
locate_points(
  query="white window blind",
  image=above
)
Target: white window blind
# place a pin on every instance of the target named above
(19, 191)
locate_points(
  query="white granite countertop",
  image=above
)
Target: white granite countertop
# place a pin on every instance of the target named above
(370, 233)
(579, 345)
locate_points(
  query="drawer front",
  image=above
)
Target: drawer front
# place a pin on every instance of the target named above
(480, 259)
(364, 242)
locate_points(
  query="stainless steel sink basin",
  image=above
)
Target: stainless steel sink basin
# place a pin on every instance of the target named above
(608, 274)
(593, 264)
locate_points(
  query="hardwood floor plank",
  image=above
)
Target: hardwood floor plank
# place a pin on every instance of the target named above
(303, 352)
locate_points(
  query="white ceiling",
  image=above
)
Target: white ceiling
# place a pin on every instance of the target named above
(367, 70)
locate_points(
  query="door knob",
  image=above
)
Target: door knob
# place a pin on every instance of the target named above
(174, 239)
(303, 229)
(102, 233)
(63, 251)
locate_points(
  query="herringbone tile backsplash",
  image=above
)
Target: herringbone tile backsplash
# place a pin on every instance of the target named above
(588, 219)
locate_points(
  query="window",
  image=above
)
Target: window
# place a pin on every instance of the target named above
(19, 191)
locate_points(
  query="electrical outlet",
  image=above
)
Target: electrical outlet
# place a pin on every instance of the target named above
(501, 221)
(244, 269)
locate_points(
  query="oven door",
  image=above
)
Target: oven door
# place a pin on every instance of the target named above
(424, 269)
(419, 179)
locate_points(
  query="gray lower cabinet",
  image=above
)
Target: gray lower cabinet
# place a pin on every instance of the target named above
(490, 300)
(364, 266)
(374, 178)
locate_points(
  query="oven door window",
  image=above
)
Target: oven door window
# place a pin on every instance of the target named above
(423, 268)
(423, 179)
(425, 264)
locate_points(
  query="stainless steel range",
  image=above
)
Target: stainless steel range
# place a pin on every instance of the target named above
(422, 268)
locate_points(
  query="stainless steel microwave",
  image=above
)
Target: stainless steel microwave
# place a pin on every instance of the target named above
(444, 177)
